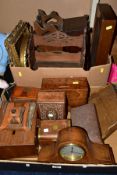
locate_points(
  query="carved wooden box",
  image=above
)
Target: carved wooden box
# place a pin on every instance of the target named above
(52, 105)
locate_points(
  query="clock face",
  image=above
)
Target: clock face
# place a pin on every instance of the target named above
(72, 152)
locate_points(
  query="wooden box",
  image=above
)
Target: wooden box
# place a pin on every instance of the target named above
(21, 93)
(48, 130)
(103, 34)
(76, 89)
(52, 105)
(18, 130)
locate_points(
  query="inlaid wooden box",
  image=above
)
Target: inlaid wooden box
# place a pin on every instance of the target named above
(48, 130)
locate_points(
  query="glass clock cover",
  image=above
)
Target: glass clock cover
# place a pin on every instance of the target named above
(72, 152)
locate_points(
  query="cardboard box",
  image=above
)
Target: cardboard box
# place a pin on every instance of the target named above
(97, 76)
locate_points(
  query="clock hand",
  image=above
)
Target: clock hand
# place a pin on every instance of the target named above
(72, 149)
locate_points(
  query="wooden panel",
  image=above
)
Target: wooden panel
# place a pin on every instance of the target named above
(106, 106)
(85, 116)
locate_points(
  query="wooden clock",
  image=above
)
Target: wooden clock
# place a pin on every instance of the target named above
(73, 146)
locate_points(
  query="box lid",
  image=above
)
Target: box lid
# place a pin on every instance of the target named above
(106, 106)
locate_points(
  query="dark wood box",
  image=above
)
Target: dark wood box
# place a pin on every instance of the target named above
(103, 34)
(76, 89)
(52, 105)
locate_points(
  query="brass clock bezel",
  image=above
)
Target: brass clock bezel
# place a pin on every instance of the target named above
(72, 157)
